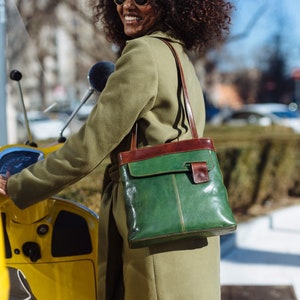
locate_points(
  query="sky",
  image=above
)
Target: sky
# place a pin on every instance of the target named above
(272, 17)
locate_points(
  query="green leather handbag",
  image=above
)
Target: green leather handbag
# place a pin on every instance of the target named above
(175, 190)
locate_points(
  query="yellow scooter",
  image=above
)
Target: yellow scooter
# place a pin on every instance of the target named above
(50, 248)
(53, 243)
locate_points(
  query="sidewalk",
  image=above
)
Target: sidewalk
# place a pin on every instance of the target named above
(264, 252)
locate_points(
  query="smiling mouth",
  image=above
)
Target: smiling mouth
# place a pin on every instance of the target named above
(132, 19)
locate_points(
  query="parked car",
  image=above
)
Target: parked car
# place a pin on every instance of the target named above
(42, 127)
(264, 114)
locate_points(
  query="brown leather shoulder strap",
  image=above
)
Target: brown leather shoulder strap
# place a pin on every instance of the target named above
(188, 108)
(185, 92)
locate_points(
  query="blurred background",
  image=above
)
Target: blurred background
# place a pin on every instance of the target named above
(54, 43)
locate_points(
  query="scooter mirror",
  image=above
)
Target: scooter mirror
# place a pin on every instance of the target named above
(99, 73)
(97, 77)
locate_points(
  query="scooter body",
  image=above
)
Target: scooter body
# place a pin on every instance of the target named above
(53, 243)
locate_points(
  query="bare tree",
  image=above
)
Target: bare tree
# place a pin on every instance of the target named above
(32, 35)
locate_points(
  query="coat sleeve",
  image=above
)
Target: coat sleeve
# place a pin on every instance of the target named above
(129, 93)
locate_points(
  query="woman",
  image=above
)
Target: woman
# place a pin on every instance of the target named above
(143, 88)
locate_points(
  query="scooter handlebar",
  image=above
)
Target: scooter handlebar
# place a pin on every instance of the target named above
(13, 159)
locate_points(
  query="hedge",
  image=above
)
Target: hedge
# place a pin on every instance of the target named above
(259, 164)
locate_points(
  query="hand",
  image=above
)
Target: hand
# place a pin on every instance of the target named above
(3, 185)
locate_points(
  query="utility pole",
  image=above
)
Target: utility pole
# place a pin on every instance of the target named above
(3, 119)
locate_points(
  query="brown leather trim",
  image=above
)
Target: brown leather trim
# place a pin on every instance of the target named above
(200, 172)
(174, 147)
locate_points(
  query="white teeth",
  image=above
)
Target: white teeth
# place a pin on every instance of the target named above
(132, 18)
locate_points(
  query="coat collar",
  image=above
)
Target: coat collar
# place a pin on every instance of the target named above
(166, 35)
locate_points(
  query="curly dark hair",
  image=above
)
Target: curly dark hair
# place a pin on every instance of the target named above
(200, 24)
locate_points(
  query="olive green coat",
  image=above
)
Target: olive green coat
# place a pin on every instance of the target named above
(143, 87)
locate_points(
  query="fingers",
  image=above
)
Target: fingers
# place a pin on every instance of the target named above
(2, 192)
(3, 186)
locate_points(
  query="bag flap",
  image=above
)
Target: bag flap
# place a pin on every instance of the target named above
(170, 163)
